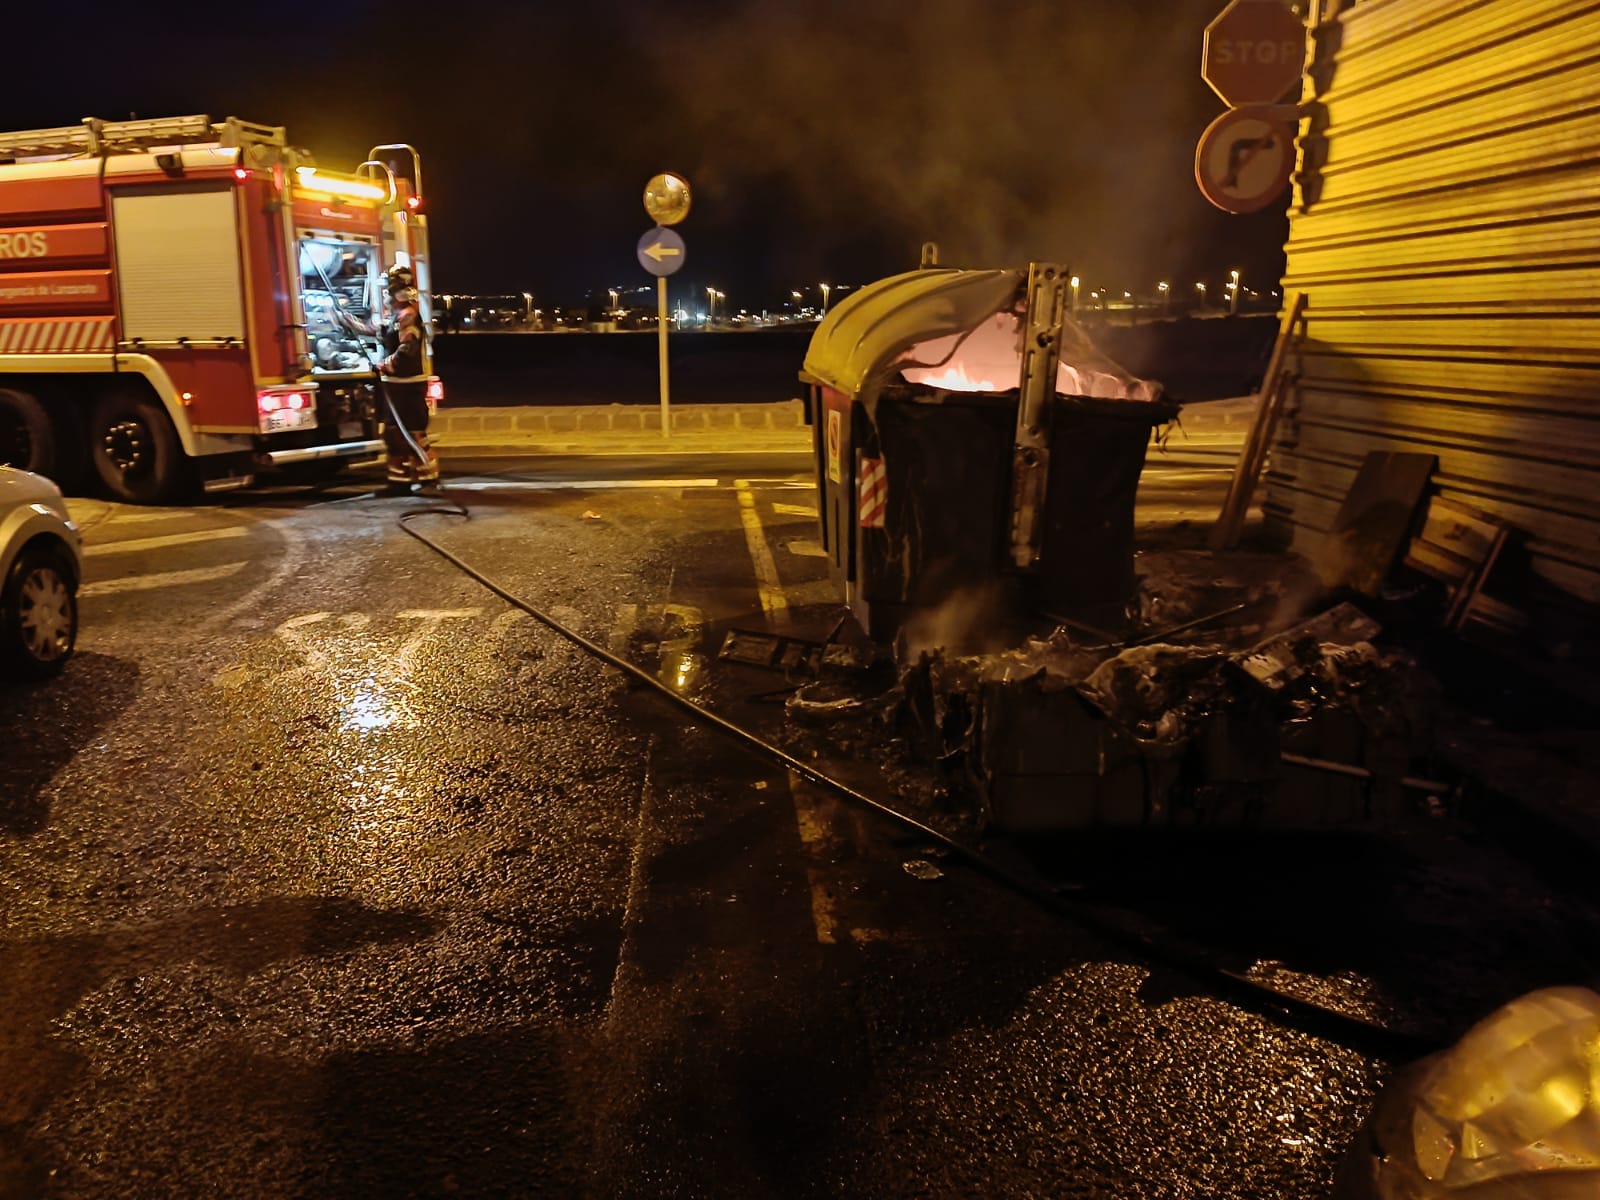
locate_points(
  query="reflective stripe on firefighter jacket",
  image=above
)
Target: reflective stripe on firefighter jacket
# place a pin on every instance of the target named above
(402, 345)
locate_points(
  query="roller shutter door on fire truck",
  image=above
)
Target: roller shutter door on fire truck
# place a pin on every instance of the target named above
(178, 265)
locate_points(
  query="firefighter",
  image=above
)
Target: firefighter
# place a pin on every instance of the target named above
(405, 386)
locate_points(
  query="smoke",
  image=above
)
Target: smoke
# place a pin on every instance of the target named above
(971, 621)
(1059, 130)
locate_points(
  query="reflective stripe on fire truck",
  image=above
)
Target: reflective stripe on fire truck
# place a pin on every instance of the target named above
(56, 335)
(873, 493)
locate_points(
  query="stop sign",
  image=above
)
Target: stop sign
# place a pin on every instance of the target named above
(1254, 51)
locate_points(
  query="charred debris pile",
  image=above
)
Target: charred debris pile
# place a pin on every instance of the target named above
(1217, 704)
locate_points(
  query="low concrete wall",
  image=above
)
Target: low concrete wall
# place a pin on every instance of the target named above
(778, 426)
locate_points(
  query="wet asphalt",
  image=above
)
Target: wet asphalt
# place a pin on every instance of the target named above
(327, 873)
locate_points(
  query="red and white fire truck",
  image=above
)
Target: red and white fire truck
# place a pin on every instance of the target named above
(168, 297)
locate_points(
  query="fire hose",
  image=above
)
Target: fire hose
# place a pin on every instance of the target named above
(1235, 987)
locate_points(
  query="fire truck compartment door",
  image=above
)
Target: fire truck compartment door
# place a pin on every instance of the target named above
(178, 265)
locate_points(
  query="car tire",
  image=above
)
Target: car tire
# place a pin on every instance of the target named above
(27, 438)
(135, 450)
(38, 615)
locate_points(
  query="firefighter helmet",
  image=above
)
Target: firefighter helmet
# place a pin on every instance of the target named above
(401, 278)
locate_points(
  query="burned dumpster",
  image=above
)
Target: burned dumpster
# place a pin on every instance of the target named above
(970, 442)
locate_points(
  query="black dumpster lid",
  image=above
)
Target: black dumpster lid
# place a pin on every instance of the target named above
(868, 339)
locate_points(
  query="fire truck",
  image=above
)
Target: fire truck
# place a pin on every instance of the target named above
(172, 300)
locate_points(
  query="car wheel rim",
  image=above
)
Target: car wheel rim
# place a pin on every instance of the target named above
(45, 605)
(127, 446)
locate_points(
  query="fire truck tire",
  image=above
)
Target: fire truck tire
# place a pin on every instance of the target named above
(27, 439)
(135, 450)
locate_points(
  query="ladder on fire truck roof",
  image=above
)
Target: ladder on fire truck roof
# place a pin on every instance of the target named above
(96, 137)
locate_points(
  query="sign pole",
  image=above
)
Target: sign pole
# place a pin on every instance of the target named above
(661, 339)
(661, 251)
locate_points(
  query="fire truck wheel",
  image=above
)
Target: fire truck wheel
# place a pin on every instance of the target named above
(26, 437)
(135, 449)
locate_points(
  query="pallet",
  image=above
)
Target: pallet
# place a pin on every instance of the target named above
(1459, 547)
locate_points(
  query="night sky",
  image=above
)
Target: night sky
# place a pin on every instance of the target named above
(825, 140)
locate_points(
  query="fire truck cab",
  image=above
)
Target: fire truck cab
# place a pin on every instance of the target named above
(170, 302)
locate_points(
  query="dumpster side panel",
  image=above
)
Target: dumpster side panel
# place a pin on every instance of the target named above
(948, 466)
(1095, 461)
(834, 442)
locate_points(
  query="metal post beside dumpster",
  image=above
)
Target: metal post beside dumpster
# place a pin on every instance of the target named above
(970, 440)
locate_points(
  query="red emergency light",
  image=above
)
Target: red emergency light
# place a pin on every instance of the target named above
(273, 401)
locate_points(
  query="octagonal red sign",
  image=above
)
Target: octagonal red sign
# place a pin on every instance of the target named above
(1254, 51)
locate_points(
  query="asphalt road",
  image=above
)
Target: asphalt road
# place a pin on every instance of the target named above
(328, 873)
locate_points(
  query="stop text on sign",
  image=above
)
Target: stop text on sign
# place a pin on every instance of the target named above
(1227, 52)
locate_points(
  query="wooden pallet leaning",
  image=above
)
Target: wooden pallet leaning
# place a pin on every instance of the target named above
(1459, 548)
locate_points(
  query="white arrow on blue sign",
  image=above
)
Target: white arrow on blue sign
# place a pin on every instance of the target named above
(661, 251)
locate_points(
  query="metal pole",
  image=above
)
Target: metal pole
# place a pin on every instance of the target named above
(661, 340)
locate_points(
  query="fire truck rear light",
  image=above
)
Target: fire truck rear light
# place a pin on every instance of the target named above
(241, 174)
(279, 410)
(435, 389)
(413, 202)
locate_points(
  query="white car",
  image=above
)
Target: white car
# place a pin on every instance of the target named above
(41, 562)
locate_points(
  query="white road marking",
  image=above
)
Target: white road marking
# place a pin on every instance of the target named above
(254, 600)
(134, 545)
(575, 485)
(807, 549)
(795, 510)
(162, 579)
(137, 516)
(289, 631)
(768, 587)
(400, 666)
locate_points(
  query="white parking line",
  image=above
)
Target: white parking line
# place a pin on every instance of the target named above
(162, 579)
(138, 516)
(768, 587)
(134, 545)
(795, 510)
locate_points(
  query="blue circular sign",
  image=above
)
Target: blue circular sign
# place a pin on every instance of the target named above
(661, 251)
